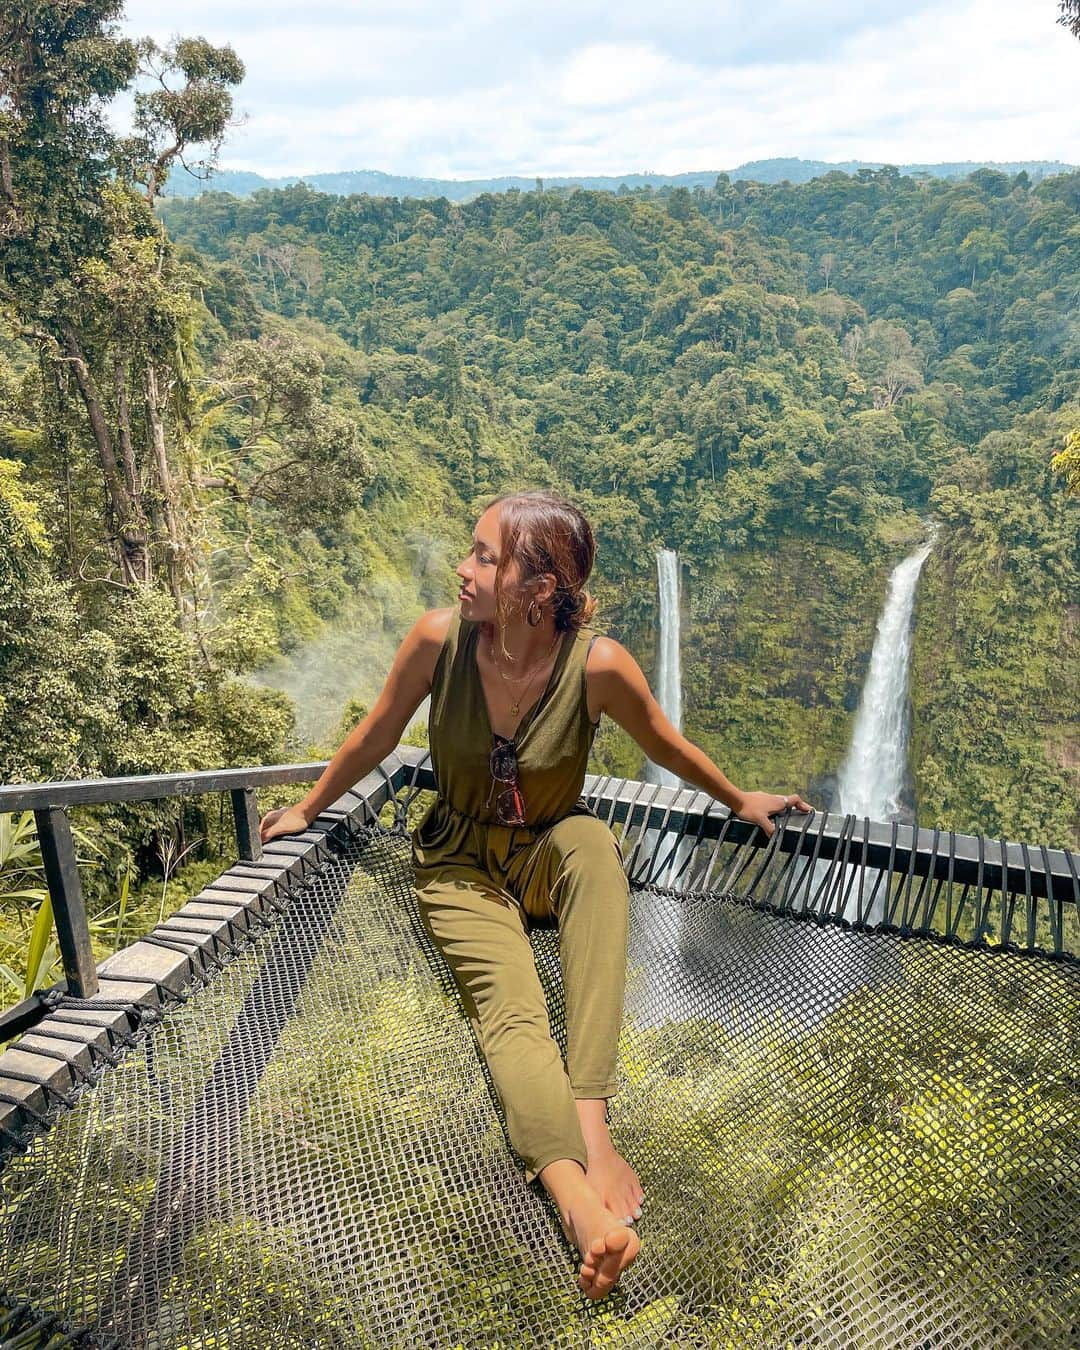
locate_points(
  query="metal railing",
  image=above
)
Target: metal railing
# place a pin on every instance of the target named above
(1026, 870)
(50, 803)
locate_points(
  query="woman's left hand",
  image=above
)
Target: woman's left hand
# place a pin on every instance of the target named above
(757, 807)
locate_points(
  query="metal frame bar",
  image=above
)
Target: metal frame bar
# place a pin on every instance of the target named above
(65, 891)
(151, 786)
(49, 803)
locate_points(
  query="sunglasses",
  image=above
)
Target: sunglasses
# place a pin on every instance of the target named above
(509, 804)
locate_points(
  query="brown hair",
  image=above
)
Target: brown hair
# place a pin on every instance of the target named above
(546, 533)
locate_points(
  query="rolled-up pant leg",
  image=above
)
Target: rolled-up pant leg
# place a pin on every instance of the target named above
(483, 936)
(576, 868)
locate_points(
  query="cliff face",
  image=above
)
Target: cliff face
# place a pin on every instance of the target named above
(778, 649)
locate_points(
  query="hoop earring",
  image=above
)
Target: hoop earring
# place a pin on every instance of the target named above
(529, 614)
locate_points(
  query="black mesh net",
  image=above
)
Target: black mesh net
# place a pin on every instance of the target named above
(845, 1137)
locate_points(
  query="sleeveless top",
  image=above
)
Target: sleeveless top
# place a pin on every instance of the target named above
(553, 740)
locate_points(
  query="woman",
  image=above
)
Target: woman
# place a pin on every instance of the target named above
(518, 683)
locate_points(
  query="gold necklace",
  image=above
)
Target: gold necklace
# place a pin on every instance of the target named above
(514, 707)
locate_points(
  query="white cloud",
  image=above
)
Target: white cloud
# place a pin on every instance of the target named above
(607, 74)
(482, 88)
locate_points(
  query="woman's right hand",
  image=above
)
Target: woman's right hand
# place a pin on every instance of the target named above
(285, 820)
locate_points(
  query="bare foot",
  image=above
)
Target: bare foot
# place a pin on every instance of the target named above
(607, 1246)
(615, 1182)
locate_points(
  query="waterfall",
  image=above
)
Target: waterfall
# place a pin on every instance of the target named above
(669, 663)
(671, 964)
(871, 782)
(872, 776)
(668, 694)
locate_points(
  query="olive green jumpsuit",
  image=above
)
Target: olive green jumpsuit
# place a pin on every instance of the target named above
(478, 883)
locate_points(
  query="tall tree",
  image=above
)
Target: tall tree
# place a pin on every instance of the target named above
(86, 272)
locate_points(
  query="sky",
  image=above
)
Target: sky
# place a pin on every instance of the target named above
(480, 89)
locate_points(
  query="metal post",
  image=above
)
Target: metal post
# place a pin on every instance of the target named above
(246, 817)
(65, 889)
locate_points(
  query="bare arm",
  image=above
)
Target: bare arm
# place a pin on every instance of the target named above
(624, 694)
(378, 733)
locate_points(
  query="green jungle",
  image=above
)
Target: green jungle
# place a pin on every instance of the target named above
(236, 433)
(243, 445)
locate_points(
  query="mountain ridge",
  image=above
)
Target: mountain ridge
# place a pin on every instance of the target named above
(376, 182)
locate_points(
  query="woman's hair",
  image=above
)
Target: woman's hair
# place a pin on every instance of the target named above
(546, 533)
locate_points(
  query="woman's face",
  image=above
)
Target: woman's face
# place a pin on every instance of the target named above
(477, 572)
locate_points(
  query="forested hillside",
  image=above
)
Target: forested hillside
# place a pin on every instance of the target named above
(778, 382)
(229, 425)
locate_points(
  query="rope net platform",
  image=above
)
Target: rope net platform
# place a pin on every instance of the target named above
(848, 1135)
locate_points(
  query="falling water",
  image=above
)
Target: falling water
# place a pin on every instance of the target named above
(668, 665)
(669, 696)
(651, 947)
(872, 777)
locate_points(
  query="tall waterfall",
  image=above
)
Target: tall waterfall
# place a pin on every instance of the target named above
(669, 662)
(669, 696)
(872, 776)
(670, 963)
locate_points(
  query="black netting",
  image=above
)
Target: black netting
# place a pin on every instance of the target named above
(846, 1138)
